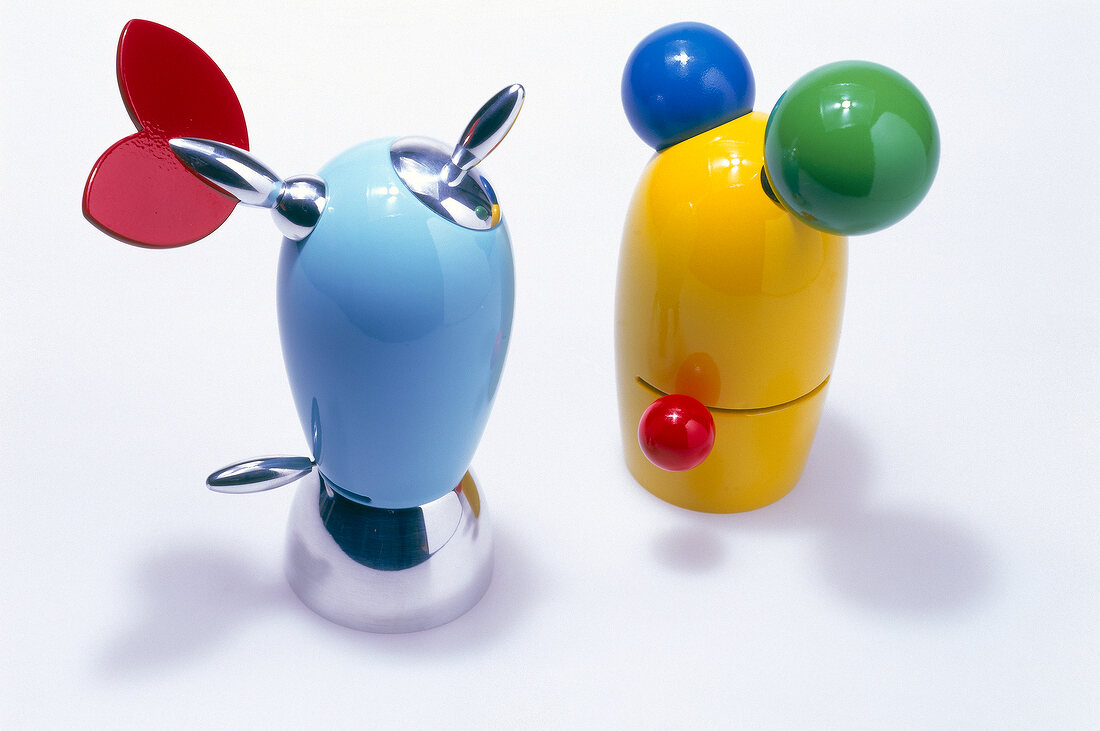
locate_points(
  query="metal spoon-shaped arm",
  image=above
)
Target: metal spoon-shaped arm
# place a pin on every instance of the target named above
(230, 168)
(257, 475)
(296, 203)
(484, 132)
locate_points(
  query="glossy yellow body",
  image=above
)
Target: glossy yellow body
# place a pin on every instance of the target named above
(725, 297)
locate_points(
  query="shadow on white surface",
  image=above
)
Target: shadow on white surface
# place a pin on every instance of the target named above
(887, 559)
(906, 563)
(195, 597)
(894, 559)
(690, 549)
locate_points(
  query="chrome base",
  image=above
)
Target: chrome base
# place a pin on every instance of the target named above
(384, 570)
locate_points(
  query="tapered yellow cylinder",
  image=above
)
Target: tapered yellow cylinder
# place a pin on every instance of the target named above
(725, 297)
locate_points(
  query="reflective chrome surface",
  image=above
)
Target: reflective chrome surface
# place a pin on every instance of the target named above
(230, 168)
(385, 570)
(299, 206)
(484, 132)
(259, 474)
(296, 203)
(420, 163)
(444, 179)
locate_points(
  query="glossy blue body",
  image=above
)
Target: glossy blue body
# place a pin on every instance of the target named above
(685, 79)
(395, 324)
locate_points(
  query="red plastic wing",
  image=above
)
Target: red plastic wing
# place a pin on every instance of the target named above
(138, 191)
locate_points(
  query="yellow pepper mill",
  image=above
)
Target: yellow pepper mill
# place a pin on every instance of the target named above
(734, 257)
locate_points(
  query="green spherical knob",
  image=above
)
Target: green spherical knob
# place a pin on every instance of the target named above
(851, 148)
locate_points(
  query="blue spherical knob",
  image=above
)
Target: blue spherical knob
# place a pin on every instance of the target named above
(684, 79)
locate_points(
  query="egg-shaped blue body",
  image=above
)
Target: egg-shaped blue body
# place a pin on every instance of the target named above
(395, 323)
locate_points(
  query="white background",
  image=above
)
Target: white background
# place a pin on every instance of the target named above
(936, 567)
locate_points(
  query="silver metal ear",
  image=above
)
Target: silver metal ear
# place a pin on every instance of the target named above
(484, 132)
(296, 203)
(259, 474)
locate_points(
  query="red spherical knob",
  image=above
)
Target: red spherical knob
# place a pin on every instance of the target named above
(676, 433)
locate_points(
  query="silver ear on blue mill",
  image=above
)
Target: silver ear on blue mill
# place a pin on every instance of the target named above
(395, 296)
